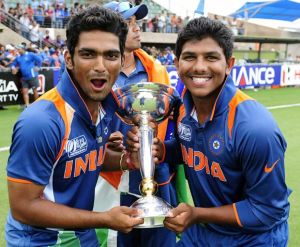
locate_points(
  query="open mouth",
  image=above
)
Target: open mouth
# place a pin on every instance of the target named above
(98, 83)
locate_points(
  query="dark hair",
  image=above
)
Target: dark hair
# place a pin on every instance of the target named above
(95, 18)
(203, 27)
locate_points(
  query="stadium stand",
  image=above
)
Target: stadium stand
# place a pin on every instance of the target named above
(150, 38)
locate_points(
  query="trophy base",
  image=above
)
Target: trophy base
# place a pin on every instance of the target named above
(154, 210)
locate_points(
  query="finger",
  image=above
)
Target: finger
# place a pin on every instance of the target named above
(131, 211)
(116, 136)
(133, 134)
(136, 221)
(116, 148)
(132, 146)
(156, 140)
(136, 119)
(175, 211)
(115, 139)
(171, 226)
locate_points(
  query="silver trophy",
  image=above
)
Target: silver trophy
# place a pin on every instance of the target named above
(154, 100)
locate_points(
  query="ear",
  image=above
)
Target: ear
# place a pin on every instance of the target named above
(68, 60)
(230, 64)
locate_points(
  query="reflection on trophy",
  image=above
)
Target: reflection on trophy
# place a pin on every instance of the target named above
(154, 100)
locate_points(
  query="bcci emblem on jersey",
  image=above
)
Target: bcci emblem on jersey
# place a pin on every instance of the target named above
(76, 146)
(184, 132)
(216, 144)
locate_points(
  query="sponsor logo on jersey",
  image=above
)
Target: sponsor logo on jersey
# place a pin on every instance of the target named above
(268, 169)
(216, 144)
(76, 146)
(184, 132)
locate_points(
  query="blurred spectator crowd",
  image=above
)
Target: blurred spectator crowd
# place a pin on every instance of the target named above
(51, 57)
(55, 14)
(28, 17)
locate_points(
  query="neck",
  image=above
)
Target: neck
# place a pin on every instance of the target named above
(129, 62)
(204, 106)
(93, 108)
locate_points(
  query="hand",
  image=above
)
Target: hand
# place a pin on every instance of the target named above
(180, 218)
(133, 145)
(157, 150)
(115, 142)
(123, 219)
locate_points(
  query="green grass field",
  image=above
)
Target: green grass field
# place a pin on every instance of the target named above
(287, 118)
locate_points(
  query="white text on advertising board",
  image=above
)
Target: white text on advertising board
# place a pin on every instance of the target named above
(8, 91)
(253, 76)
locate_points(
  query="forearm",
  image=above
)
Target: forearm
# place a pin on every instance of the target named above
(44, 213)
(223, 215)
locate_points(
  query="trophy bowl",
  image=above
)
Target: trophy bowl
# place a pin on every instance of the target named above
(148, 100)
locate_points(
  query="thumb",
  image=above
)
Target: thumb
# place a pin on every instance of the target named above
(174, 212)
(132, 211)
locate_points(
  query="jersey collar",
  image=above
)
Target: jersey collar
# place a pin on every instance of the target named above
(69, 92)
(221, 104)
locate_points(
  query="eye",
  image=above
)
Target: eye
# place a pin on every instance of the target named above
(212, 58)
(188, 58)
(112, 56)
(86, 54)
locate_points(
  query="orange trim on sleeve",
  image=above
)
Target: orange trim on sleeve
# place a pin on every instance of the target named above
(238, 98)
(17, 180)
(164, 153)
(168, 181)
(236, 215)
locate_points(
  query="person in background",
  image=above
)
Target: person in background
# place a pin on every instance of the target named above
(138, 67)
(232, 148)
(59, 143)
(28, 64)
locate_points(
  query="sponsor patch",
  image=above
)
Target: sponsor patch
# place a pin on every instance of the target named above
(184, 132)
(216, 144)
(76, 146)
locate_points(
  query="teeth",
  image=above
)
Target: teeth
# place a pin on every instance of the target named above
(200, 80)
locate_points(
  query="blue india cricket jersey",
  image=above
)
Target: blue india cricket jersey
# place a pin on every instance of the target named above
(235, 158)
(56, 144)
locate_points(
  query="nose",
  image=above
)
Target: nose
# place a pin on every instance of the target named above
(200, 65)
(136, 27)
(99, 64)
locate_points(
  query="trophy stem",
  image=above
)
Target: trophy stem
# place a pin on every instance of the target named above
(145, 152)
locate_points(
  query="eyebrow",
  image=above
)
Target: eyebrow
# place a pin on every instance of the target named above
(86, 49)
(209, 53)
